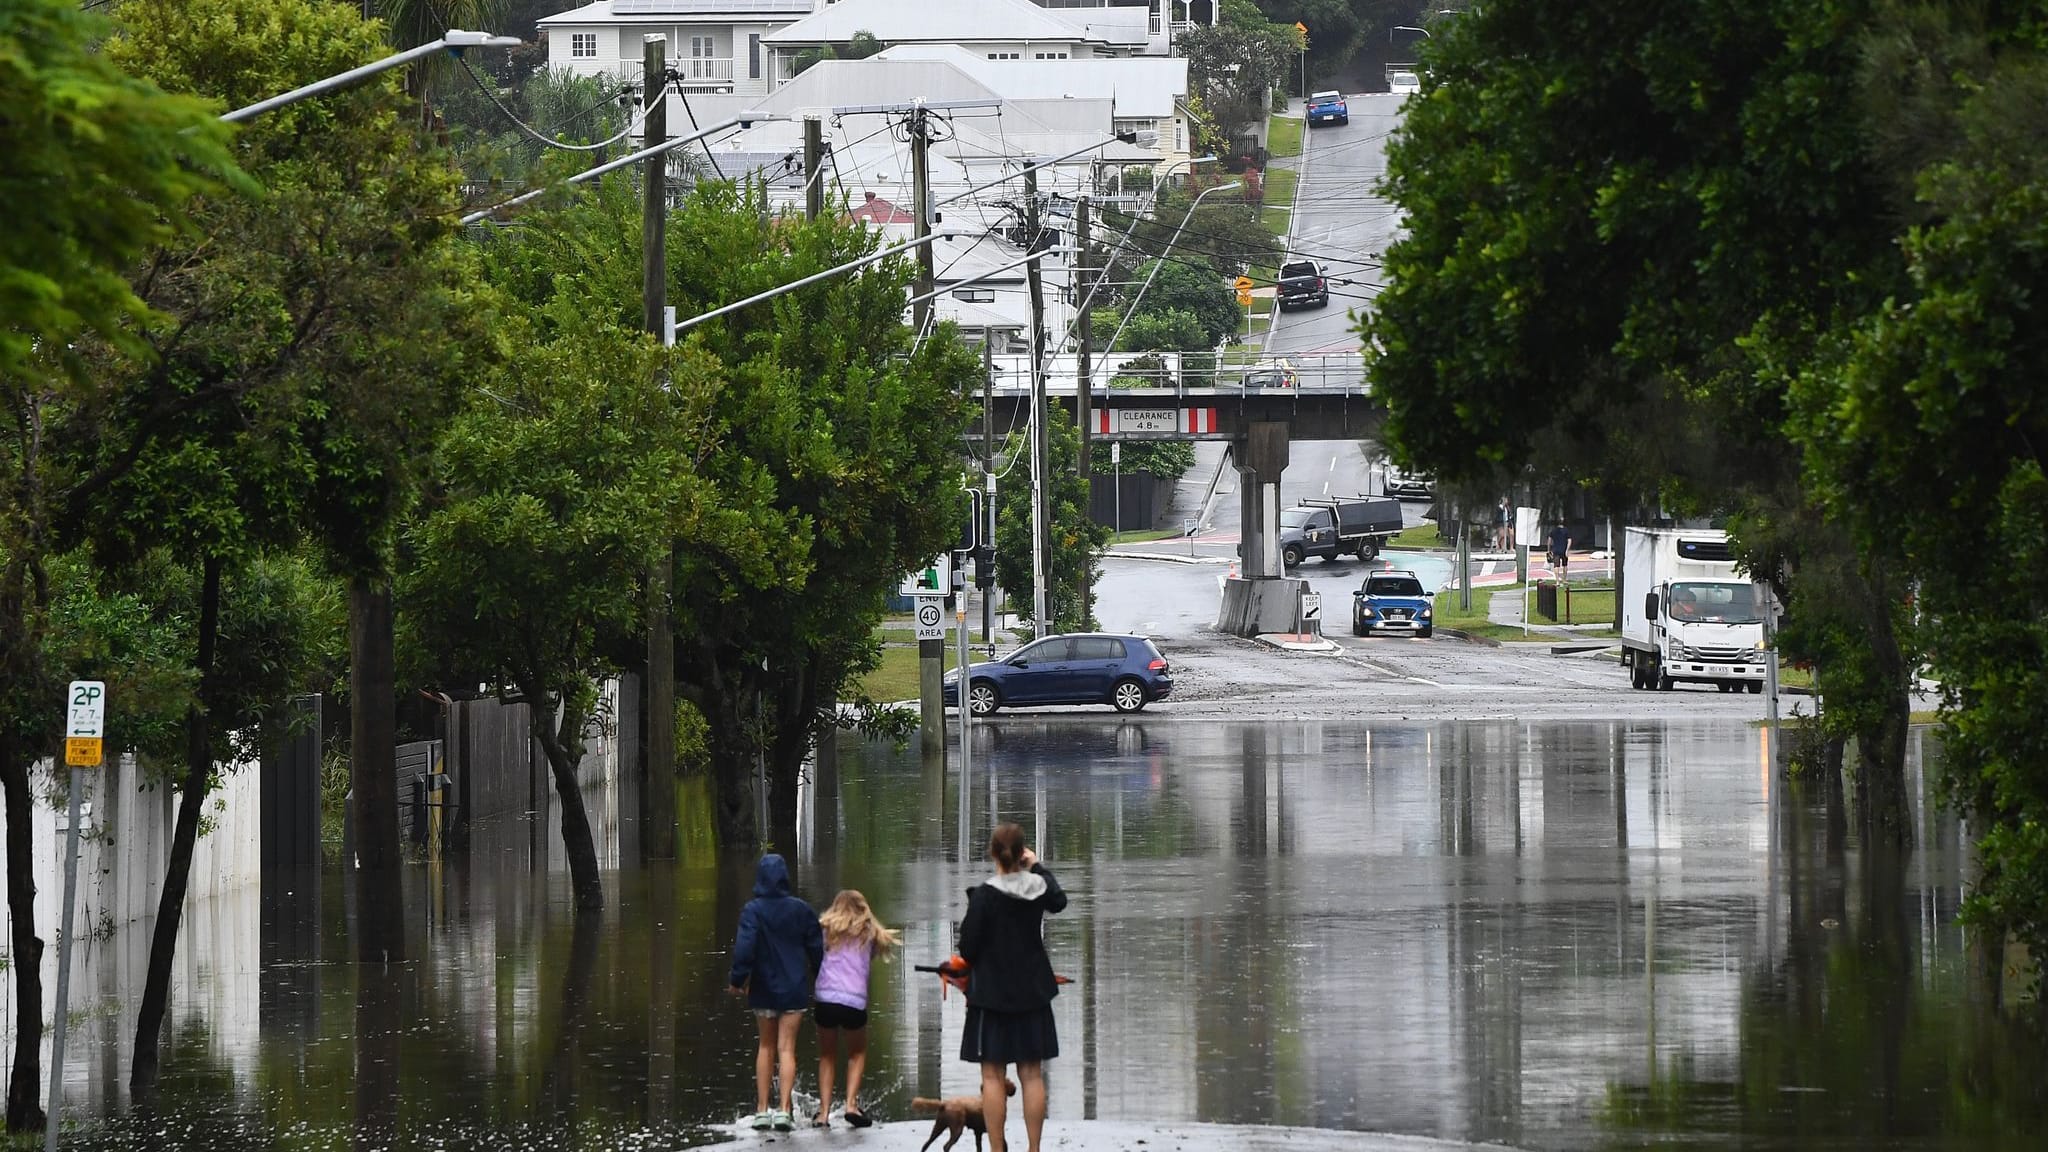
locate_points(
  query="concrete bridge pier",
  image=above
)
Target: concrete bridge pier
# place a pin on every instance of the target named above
(1263, 598)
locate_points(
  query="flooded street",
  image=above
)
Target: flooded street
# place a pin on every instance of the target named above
(1558, 935)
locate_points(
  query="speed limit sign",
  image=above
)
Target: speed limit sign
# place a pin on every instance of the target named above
(929, 617)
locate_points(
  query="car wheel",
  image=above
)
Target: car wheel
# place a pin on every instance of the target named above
(1357, 629)
(982, 698)
(1290, 556)
(1426, 633)
(1128, 696)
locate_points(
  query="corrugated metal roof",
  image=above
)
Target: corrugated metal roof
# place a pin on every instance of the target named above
(944, 21)
(1142, 86)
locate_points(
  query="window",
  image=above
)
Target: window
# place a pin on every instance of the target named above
(1052, 56)
(754, 56)
(701, 47)
(1135, 125)
(1097, 648)
(1006, 56)
(583, 45)
(1044, 652)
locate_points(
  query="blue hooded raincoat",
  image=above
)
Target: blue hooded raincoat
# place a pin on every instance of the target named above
(780, 944)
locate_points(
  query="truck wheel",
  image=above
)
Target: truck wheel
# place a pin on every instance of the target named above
(1290, 555)
(1664, 683)
(1368, 550)
(1756, 687)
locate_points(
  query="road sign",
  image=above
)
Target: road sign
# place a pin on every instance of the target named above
(1244, 290)
(1156, 422)
(85, 722)
(86, 709)
(1528, 527)
(1301, 28)
(935, 577)
(1311, 607)
(930, 618)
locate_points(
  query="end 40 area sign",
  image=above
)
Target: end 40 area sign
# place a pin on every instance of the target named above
(85, 722)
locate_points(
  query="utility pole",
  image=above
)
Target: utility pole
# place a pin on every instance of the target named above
(1084, 366)
(1041, 482)
(921, 185)
(931, 654)
(814, 161)
(988, 459)
(659, 840)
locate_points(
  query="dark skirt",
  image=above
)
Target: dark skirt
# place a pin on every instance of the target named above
(1009, 1037)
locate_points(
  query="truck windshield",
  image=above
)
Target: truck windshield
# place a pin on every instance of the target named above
(1715, 603)
(1296, 518)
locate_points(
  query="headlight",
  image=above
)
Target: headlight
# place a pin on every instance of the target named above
(1364, 611)
(1675, 650)
(1425, 613)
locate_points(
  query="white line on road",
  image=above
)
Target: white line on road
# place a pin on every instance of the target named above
(1386, 671)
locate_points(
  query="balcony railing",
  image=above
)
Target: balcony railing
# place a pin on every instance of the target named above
(695, 71)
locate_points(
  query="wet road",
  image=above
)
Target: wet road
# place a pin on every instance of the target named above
(1559, 935)
(1343, 224)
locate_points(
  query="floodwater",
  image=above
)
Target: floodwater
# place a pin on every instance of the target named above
(1564, 935)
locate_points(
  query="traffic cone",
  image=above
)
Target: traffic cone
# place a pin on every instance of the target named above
(1233, 570)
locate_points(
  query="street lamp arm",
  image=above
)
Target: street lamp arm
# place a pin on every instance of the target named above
(454, 40)
(1161, 259)
(1406, 28)
(813, 278)
(624, 161)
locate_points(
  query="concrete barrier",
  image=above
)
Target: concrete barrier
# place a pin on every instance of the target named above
(1253, 606)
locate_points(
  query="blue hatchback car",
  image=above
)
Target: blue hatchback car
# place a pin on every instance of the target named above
(1392, 602)
(1124, 672)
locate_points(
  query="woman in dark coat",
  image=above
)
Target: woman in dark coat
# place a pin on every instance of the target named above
(1010, 984)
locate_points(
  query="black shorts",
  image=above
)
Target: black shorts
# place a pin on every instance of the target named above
(830, 1015)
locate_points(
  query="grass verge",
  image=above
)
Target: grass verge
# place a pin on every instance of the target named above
(1284, 135)
(1420, 536)
(896, 677)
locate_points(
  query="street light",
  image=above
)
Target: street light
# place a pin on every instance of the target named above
(1132, 309)
(454, 41)
(1407, 28)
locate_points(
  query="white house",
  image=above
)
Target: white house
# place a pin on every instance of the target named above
(716, 45)
(747, 47)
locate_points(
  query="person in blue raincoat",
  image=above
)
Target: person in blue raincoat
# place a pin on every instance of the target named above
(774, 960)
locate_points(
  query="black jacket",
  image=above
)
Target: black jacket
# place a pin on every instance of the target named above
(780, 944)
(1003, 939)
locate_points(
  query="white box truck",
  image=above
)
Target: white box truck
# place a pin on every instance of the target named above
(1687, 616)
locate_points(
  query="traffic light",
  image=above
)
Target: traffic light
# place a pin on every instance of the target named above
(985, 567)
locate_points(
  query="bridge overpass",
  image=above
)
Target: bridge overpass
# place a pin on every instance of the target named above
(1259, 409)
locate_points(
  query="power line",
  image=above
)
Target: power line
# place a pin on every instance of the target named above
(530, 130)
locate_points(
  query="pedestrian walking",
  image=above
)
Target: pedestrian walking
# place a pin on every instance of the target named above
(1503, 526)
(853, 938)
(1559, 550)
(1010, 983)
(778, 950)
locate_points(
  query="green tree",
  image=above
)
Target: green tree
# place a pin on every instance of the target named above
(1192, 285)
(318, 334)
(100, 166)
(1158, 330)
(1234, 64)
(1599, 262)
(1073, 538)
(1924, 435)
(557, 489)
(851, 431)
(1224, 232)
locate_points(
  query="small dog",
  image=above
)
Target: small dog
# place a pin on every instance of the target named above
(954, 1114)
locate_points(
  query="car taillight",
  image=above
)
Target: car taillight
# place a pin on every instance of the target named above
(1319, 281)
(1156, 666)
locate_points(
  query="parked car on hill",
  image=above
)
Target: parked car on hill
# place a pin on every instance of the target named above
(1403, 83)
(1328, 108)
(1124, 672)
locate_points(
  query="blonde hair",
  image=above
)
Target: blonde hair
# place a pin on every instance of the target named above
(850, 918)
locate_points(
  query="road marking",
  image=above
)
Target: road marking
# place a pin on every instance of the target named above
(1333, 464)
(1386, 671)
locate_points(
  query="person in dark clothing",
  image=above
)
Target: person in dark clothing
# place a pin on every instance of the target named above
(1559, 548)
(773, 962)
(1010, 983)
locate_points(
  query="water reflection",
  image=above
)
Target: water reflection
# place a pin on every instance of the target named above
(1554, 935)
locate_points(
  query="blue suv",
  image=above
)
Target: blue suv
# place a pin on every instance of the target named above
(1124, 672)
(1392, 602)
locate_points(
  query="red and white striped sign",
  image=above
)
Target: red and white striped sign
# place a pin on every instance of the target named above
(1156, 421)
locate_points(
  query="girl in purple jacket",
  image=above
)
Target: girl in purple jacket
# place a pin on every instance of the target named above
(853, 937)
